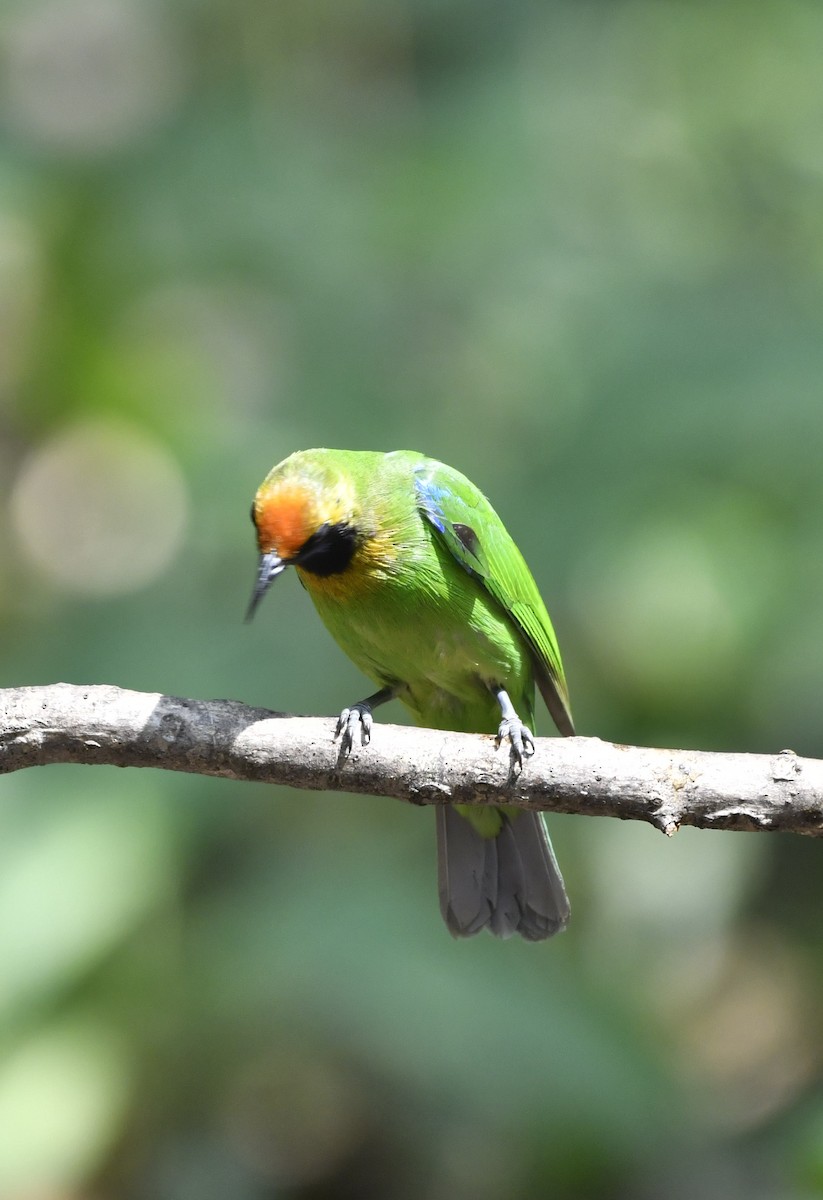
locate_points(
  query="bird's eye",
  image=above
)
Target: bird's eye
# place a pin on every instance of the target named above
(251, 514)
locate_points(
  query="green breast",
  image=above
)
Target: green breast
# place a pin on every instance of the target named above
(421, 621)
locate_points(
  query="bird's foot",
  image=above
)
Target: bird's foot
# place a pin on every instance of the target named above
(353, 721)
(520, 738)
(357, 719)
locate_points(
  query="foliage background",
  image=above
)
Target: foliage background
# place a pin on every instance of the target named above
(575, 249)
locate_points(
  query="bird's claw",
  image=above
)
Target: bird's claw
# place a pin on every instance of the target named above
(520, 738)
(357, 718)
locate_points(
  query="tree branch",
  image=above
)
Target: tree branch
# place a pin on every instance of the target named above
(63, 723)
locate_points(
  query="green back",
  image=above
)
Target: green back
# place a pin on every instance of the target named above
(480, 543)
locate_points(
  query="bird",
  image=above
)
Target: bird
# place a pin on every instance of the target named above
(417, 579)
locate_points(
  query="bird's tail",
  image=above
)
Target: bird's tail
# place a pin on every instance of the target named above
(507, 884)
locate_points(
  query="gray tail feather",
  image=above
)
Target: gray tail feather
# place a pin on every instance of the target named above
(507, 884)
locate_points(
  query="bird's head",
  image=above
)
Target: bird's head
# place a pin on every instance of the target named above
(304, 516)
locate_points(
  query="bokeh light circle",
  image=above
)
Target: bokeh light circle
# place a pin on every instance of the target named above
(88, 76)
(101, 509)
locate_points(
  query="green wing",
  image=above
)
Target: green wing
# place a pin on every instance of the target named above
(478, 539)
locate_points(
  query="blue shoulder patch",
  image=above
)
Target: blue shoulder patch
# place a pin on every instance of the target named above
(449, 514)
(430, 496)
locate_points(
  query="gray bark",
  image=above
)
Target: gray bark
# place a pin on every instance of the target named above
(64, 723)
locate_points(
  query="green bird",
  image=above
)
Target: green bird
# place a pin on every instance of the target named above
(416, 578)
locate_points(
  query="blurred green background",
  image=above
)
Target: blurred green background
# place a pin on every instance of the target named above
(574, 249)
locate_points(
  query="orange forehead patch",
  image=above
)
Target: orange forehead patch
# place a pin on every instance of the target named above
(285, 519)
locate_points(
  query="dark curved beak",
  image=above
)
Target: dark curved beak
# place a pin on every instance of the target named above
(270, 567)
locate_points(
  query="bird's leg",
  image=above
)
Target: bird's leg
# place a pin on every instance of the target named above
(511, 727)
(358, 717)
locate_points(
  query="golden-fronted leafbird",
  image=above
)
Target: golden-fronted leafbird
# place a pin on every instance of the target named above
(417, 579)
